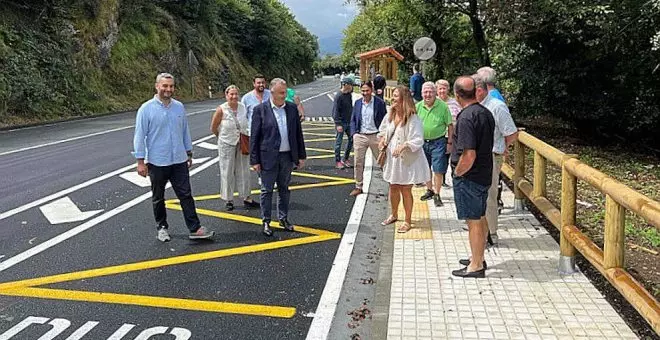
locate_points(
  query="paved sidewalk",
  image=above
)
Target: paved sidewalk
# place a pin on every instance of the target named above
(522, 296)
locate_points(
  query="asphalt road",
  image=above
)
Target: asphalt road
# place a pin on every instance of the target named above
(105, 276)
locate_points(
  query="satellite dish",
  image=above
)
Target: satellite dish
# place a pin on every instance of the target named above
(424, 48)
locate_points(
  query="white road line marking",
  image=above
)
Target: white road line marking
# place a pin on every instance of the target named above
(87, 225)
(123, 330)
(84, 136)
(331, 98)
(318, 95)
(145, 182)
(82, 331)
(76, 187)
(325, 311)
(63, 192)
(208, 146)
(64, 211)
(133, 177)
(200, 160)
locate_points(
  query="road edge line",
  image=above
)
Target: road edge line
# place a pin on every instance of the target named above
(325, 311)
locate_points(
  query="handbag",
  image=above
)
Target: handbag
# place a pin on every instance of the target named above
(382, 154)
(243, 140)
(244, 143)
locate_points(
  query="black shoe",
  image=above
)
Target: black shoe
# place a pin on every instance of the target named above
(466, 262)
(251, 204)
(479, 274)
(437, 200)
(445, 185)
(284, 223)
(428, 195)
(229, 206)
(267, 231)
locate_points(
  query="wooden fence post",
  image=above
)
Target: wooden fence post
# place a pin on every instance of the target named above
(519, 163)
(614, 243)
(568, 196)
(539, 175)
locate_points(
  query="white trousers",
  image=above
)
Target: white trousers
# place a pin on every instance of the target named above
(234, 172)
(491, 206)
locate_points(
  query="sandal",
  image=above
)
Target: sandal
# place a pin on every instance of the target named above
(389, 220)
(404, 228)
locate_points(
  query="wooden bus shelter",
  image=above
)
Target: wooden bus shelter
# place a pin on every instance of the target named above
(384, 60)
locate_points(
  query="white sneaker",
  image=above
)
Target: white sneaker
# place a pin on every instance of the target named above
(163, 235)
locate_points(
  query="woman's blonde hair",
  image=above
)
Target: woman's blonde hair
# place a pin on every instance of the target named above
(404, 106)
(231, 87)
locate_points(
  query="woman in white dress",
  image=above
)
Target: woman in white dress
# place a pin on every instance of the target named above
(228, 124)
(402, 137)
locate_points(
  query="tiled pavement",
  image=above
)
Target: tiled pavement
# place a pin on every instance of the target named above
(522, 296)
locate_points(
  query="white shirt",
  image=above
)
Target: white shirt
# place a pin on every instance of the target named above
(280, 116)
(368, 124)
(504, 125)
(228, 133)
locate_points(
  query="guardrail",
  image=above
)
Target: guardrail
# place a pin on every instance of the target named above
(389, 90)
(618, 198)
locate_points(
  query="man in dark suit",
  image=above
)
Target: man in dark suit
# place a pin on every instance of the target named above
(368, 113)
(276, 145)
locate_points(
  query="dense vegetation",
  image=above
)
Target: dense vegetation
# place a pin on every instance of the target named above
(62, 58)
(595, 63)
(335, 64)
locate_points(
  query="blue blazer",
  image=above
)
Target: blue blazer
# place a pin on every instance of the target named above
(380, 110)
(265, 136)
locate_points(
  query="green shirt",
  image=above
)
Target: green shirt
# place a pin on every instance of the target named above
(290, 94)
(435, 120)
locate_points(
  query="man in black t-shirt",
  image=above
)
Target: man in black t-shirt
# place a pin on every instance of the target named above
(472, 164)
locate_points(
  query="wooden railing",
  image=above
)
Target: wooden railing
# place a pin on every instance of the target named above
(389, 90)
(618, 198)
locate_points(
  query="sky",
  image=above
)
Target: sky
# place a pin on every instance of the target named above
(324, 18)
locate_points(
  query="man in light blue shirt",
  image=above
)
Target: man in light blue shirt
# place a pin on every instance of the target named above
(490, 77)
(255, 97)
(163, 149)
(280, 117)
(505, 134)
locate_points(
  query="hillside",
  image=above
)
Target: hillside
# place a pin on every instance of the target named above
(80, 57)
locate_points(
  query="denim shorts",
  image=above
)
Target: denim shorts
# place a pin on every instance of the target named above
(435, 152)
(470, 198)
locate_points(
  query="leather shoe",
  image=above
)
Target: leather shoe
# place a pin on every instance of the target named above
(267, 231)
(251, 204)
(466, 262)
(284, 223)
(356, 192)
(478, 274)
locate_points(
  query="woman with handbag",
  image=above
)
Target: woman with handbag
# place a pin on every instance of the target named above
(402, 156)
(230, 125)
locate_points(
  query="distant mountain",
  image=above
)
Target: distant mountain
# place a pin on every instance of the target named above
(330, 44)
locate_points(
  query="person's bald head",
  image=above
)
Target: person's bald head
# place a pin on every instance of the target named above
(465, 88)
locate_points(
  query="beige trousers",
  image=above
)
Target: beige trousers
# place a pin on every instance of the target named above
(491, 205)
(234, 172)
(361, 143)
